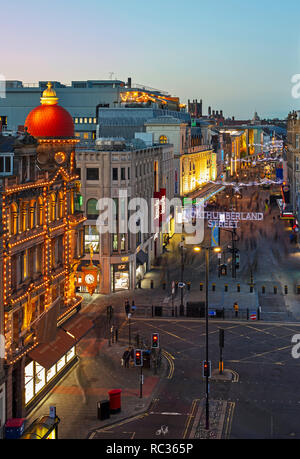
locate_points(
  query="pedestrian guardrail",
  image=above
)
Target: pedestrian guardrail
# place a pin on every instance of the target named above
(196, 310)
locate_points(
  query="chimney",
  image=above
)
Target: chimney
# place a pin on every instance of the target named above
(129, 83)
(209, 111)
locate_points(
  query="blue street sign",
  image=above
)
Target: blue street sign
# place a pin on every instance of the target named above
(215, 235)
(212, 313)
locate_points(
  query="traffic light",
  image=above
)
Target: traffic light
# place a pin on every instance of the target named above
(206, 368)
(155, 340)
(138, 358)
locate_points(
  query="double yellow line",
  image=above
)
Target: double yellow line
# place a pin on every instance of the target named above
(170, 359)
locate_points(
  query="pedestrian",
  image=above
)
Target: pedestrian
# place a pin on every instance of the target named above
(127, 307)
(126, 357)
(236, 309)
(133, 307)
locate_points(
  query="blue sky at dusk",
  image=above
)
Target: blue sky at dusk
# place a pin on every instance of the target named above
(237, 56)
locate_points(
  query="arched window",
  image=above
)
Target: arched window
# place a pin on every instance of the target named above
(40, 211)
(24, 215)
(32, 213)
(163, 139)
(61, 205)
(91, 209)
(52, 207)
(13, 218)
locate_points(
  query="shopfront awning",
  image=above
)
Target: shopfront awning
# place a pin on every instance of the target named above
(47, 354)
(78, 327)
(141, 257)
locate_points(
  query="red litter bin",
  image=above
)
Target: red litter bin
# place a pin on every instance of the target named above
(114, 400)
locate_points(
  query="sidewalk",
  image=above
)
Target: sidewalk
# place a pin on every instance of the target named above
(97, 371)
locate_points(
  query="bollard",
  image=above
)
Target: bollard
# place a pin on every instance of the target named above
(151, 283)
(201, 286)
(164, 286)
(286, 289)
(258, 313)
(116, 332)
(140, 284)
(213, 287)
(275, 290)
(263, 289)
(226, 288)
(238, 287)
(247, 314)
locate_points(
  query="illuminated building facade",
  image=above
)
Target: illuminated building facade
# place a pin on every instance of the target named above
(42, 243)
(134, 170)
(293, 160)
(194, 163)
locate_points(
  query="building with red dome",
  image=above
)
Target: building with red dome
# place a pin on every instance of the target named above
(42, 239)
(49, 120)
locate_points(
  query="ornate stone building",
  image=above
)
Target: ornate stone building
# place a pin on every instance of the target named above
(42, 243)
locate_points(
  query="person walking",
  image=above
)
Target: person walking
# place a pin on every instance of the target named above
(236, 309)
(126, 357)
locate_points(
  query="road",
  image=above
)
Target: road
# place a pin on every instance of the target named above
(260, 402)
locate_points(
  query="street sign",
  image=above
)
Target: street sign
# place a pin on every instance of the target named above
(215, 235)
(253, 316)
(212, 313)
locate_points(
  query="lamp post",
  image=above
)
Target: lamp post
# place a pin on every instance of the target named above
(207, 249)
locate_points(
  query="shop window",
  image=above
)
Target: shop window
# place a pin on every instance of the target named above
(61, 363)
(86, 135)
(70, 354)
(29, 382)
(51, 373)
(40, 379)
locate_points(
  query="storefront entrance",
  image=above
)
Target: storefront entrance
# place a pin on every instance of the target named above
(120, 277)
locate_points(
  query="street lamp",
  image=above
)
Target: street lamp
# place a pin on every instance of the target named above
(197, 250)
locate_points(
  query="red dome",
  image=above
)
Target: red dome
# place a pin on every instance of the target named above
(50, 121)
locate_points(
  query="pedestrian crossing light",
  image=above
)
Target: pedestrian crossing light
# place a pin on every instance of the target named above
(155, 340)
(138, 358)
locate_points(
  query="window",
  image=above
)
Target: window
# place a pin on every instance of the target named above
(80, 120)
(85, 135)
(76, 120)
(90, 120)
(91, 238)
(115, 173)
(297, 165)
(91, 209)
(123, 173)
(85, 120)
(123, 240)
(92, 173)
(163, 139)
(115, 242)
(297, 141)
(5, 164)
